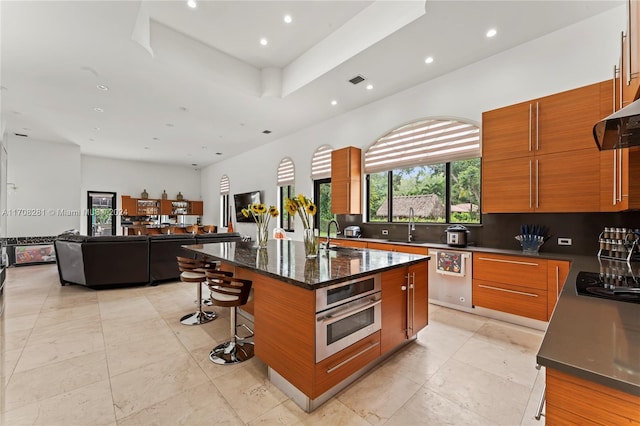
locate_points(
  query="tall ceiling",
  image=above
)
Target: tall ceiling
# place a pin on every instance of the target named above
(161, 81)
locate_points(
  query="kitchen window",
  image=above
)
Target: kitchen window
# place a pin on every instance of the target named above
(224, 201)
(321, 175)
(286, 176)
(432, 167)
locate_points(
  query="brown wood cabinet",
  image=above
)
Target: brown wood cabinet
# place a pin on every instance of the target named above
(331, 371)
(346, 178)
(196, 208)
(129, 206)
(525, 286)
(513, 284)
(405, 304)
(557, 275)
(630, 55)
(573, 400)
(285, 324)
(550, 165)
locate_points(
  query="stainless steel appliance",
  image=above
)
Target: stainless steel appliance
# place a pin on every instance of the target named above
(347, 312)
(352, 232)
(457, 236)
(450, 273)
(619, 130)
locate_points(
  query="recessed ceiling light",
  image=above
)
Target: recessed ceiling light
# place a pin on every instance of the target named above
(22, 135)
(266, 132)
(492, 32)
(183, 108)
(218, 153)
(169, 124)
(155, 139)
(334, 102)
(204, 147)
(192, 4)
(102, 87)
(91, 140)
(369, 86)
(97, 109)
(288, 19)
(97, 129)
(264, 41)
(147, 147)
(428, 60)
(194, 164)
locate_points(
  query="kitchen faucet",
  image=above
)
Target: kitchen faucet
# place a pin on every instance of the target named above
(412, 225)
(326, 247)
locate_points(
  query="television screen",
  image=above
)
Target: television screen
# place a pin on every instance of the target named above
(242, 201)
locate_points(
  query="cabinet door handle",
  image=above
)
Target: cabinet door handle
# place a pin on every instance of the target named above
(407, 305)
(530, 185)
(615, 177)
(537, 126)
(557, 282)
(629, 38)
(522, 293)
(615, 72)
(352, 357)
(620, 175)
(621, 64)
(403, 288)
(537, 183)
(530, 124)
(516, 262)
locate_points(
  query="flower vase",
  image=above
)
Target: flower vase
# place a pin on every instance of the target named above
(263, 234)
(310, 242)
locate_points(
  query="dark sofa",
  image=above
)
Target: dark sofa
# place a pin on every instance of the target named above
(125, 260)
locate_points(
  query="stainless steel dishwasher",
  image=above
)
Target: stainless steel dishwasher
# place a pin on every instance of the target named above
(450, 273)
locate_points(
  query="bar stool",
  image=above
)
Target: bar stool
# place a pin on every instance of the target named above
(194, 271)
(230, 292)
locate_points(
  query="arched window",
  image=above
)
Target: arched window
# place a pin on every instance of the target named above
(286, 178)
(430, 166)
(321, 175)
(321, 163)
(225, 213)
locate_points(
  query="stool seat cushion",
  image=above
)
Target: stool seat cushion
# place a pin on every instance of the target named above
(192, 275)
(224, 297)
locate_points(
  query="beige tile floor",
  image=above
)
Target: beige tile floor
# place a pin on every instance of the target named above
(76, 356)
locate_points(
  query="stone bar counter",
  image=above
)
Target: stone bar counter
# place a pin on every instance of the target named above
(290, 335)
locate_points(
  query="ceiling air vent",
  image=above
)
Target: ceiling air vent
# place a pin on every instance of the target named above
(357, 79)
(22, 135)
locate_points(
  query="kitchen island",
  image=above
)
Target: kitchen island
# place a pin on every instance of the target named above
(313, 344)
(591, 352)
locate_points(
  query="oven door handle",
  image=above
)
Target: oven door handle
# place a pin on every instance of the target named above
(330, 319)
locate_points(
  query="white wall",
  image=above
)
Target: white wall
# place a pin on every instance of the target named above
(132, 177)
(572, 57)
(47, 186)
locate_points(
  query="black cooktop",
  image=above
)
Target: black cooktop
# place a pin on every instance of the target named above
(609, 286)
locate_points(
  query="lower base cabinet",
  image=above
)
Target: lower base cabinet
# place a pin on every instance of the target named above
(336, 368)
(576, 401)
(405, 304)
(518, 285)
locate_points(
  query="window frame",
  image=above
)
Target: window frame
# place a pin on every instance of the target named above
(447, 200)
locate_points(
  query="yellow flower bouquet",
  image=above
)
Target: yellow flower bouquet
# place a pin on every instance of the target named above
(261, 215)
(306, 210)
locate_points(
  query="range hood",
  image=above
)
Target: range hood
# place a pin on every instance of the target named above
(619, 130)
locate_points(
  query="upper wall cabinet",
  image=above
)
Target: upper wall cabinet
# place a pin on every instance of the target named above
(540, 156)
(346, 178)
(620, 168)
(630, 56)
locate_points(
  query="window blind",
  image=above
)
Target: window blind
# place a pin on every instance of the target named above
(422, 143)
(321, 163)
(286, 172)
(224, 185)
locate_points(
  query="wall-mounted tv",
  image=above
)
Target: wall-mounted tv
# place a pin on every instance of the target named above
(241, 201)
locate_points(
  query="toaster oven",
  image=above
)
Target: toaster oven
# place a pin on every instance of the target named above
(352, 231)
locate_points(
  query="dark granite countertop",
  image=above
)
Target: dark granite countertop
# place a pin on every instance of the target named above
(285, 260)
(592, 338)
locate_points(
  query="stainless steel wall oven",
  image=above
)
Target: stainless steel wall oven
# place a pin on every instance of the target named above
(347, 312)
